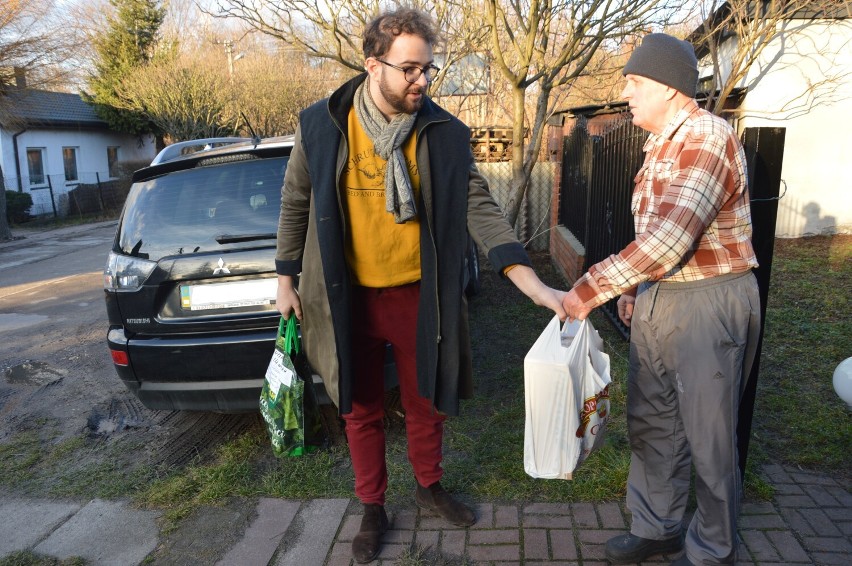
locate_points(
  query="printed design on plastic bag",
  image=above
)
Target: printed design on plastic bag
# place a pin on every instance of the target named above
(591, 406)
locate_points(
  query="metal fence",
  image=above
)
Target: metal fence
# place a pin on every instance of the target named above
(596, 188)
(598, 167)
(534, 218)
(600, 161)
(92, 192)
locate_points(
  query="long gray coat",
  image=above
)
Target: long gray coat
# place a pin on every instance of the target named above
(454, 200)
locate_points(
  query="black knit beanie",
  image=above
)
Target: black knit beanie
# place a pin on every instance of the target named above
(667, 60)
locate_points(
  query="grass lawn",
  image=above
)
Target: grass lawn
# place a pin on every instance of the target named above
(798, 418)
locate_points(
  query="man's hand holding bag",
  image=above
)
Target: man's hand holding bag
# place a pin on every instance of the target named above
(566, 388)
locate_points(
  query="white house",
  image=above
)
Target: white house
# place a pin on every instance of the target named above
(54, 142)
(802, 81)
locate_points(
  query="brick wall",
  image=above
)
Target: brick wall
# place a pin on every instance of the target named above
(566, 252)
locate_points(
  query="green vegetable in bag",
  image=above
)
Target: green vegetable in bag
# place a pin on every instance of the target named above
(285, 397)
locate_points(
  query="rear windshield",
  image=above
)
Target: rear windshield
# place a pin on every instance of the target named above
(229, 205)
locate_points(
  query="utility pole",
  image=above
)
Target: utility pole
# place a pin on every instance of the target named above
(229, 49)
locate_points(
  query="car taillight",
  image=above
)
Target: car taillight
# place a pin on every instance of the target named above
(126, 273)
(120, 358)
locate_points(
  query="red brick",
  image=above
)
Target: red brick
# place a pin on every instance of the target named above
(351, 526)
(548, 522)
(592, 552)
(341, 554)
(761, 522)
(820, 522)
(398, 536)
(563, 545)
(777, 474)
(827, 544)
(427, 539)
(761, 508)
(506, 516)
(788, 547)
(797, 522)
(495, 552)
(759, 546)
(593, 536)
(392, 551)
(547, 509)
(788, 489)
(842, 496)
(813, 479)
(452, 542)
(535, 544)
(831, 558)
(404, 519)
(484, 516)
(822, 497)
(794, 501)
(501, 536)
(611, 517)
(584, 515)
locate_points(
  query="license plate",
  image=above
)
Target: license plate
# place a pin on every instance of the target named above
(228, 295)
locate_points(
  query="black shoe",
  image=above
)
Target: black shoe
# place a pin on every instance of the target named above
(367, 543)
(682, 561)
(627, 549)
(434, 498)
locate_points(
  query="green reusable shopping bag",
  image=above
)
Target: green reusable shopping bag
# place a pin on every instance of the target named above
(286, 402)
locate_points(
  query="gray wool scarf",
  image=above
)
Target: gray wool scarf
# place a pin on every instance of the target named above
(388, 137)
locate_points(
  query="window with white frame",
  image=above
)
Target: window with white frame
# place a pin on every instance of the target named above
(35, 166)
(112, 161)
(69, 160)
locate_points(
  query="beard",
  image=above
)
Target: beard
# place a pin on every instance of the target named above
(399, 102)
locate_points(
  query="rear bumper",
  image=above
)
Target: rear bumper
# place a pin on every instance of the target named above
(215, 372)
(222, 396)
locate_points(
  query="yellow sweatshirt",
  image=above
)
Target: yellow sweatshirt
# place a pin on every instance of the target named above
(380, 252)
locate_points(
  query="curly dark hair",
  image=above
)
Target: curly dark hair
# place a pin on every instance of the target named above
(384, 29)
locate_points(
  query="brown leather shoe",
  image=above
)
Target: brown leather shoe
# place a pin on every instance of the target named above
(434, 498)
(367, 543)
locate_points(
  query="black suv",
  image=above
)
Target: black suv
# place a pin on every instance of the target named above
(190, 282)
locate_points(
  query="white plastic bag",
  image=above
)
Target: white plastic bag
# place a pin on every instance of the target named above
(566, 390)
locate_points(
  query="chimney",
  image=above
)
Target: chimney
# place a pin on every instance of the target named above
(20, 77)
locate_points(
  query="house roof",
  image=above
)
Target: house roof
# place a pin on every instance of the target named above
(51, 109)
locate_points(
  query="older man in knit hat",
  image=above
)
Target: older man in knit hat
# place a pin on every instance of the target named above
(689, 296)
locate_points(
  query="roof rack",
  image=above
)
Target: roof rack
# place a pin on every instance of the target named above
(178, 149)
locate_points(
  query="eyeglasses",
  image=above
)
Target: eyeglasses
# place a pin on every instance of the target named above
(412, 74)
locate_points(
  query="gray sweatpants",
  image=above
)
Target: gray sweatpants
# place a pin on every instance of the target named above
(692, 346)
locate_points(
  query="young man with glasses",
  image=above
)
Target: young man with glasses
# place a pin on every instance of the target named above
(379, 196)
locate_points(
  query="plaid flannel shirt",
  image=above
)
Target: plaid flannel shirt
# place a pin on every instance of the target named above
(691, 211)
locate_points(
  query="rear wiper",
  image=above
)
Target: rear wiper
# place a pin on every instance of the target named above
(232, 238)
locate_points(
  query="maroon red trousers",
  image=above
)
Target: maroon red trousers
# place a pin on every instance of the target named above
(381, 316)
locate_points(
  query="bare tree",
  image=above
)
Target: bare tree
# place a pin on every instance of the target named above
(34, 41)
(739, 35)
(332, 29)
(270, 89)
(541, 45)
(32, 49)
(197, 95)
(183, 97)
(537, 45)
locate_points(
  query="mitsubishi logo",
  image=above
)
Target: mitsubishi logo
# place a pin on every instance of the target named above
(221, 270)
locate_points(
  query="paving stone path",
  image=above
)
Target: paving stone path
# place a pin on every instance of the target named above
(809, 521)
